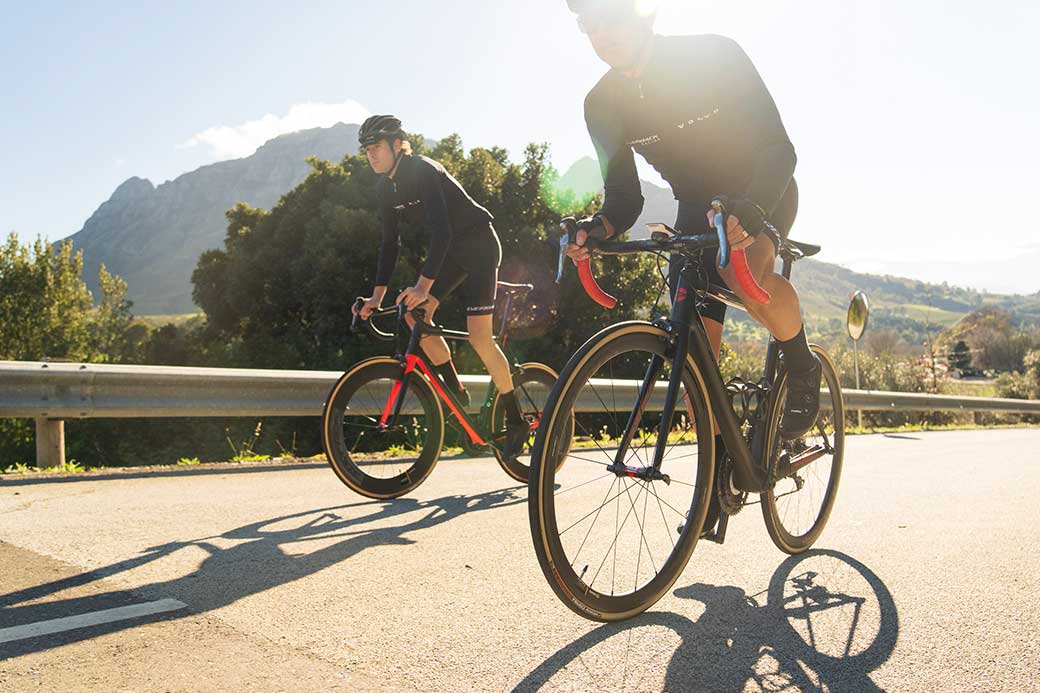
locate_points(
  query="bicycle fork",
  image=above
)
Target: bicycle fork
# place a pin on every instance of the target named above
(653, 372)
(646, 389)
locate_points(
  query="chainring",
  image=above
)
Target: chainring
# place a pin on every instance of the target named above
(731, 501)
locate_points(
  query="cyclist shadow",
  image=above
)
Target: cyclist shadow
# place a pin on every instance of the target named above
(827, 622)
(267, 554)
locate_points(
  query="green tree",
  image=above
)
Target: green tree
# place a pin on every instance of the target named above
(48, 310)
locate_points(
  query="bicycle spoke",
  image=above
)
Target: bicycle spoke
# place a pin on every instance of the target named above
(683, 515)
(592, 512)
(614, 542)
(664, 521)
(602, 505)
(584, 483)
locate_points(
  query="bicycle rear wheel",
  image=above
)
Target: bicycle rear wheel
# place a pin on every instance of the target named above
(374, 460)
(611, 544)
(798, 506)
(532, 385)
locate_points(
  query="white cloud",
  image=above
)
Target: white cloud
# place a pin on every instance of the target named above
(236, 141)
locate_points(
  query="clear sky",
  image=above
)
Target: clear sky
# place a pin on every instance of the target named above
(916, 123)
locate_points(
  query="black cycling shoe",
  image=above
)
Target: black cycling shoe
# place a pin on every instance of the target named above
(803, 402)
(517, 435)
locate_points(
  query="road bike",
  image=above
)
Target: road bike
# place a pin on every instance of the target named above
(383, 424)
(615, 526)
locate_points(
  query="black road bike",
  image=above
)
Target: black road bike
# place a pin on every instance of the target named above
(615, 526)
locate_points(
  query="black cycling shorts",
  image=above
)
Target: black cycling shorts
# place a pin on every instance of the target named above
(471, 262)
(692, 219)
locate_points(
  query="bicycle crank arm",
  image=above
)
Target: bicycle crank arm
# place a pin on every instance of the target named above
(788, 465)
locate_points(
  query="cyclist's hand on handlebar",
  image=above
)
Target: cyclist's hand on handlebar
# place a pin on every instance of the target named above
(587, 227)
(365, 311)
(735, 232)
(413, 297)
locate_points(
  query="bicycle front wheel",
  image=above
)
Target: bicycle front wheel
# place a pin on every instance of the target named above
(798, 506)
(375, 460)
(611, 535)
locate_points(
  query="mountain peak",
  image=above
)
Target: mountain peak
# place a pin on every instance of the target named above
(132, 188)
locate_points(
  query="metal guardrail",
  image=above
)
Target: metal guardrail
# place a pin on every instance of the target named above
(51, 392)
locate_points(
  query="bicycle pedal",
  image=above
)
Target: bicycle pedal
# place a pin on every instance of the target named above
(712, 536)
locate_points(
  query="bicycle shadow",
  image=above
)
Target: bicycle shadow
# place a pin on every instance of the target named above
(794, 639)
(257, 563)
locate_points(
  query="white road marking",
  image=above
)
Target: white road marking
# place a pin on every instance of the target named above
(94, 618)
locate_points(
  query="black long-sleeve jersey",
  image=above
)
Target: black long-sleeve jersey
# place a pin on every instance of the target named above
(699, 114)
(423, 192)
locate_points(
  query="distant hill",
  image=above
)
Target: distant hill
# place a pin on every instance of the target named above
(152, 236)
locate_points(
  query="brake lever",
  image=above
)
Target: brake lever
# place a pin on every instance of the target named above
(567, 226)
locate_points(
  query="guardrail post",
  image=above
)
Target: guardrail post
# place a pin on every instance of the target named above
(50, 442)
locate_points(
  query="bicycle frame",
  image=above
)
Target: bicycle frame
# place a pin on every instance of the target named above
(749, 475)
(690, 338)
(410, 354)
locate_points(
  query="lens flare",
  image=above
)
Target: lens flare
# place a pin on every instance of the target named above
(646, 8)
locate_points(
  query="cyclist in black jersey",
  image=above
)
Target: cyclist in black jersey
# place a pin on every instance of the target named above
(697, 110)
(464, 252)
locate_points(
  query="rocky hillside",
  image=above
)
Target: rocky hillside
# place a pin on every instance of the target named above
(152, 235)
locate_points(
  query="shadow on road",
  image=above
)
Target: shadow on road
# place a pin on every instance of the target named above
(258, 562)
(827, 621)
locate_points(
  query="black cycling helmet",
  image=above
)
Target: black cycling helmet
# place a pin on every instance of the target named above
(379, 127)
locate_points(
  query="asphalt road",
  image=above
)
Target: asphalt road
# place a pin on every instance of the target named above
(927, 578)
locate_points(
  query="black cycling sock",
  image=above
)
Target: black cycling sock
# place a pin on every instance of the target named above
(450, 377)
(797, 354)
(512, 407)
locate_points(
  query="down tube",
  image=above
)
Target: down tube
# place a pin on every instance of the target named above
(747, 477)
